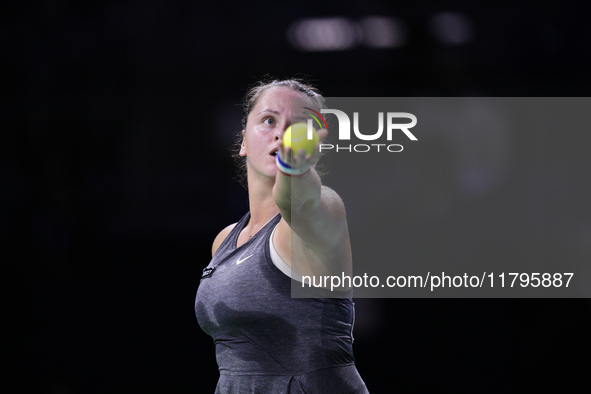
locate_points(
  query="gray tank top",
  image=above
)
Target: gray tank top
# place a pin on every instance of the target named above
(264, 339)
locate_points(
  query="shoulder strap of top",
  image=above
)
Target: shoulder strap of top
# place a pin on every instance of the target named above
(233, 236)
(229, 243)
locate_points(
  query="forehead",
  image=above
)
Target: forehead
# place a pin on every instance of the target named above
(277, 97)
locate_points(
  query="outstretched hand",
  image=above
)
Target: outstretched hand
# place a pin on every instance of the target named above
(300, 160)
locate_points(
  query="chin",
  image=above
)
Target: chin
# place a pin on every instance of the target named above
(273, 173)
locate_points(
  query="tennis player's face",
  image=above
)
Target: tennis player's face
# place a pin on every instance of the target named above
(265, 126)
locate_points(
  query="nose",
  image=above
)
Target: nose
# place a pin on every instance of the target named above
(281, 129)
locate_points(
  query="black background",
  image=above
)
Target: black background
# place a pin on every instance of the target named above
(116, 176)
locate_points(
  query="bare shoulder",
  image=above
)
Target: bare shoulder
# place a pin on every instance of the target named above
(330, 193)
(220, 238)
(332, 201)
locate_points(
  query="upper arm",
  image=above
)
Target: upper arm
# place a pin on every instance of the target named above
(220, 238)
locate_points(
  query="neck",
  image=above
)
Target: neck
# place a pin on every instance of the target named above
(260, 200)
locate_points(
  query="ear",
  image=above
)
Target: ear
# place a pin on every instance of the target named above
(242, 146)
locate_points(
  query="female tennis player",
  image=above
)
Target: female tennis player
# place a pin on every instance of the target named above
(265, 340)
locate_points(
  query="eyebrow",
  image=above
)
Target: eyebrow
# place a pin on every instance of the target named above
(269, 110)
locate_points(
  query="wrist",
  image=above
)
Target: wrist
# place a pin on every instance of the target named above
(286, 169)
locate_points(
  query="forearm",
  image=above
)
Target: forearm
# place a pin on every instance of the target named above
(298, 195)
(313, 212)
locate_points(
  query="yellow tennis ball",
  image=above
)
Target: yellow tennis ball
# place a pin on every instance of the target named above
(296, 138)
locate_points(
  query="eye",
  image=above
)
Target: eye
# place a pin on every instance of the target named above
(269, 121)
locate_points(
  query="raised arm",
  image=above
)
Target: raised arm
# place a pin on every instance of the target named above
(315, 226)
